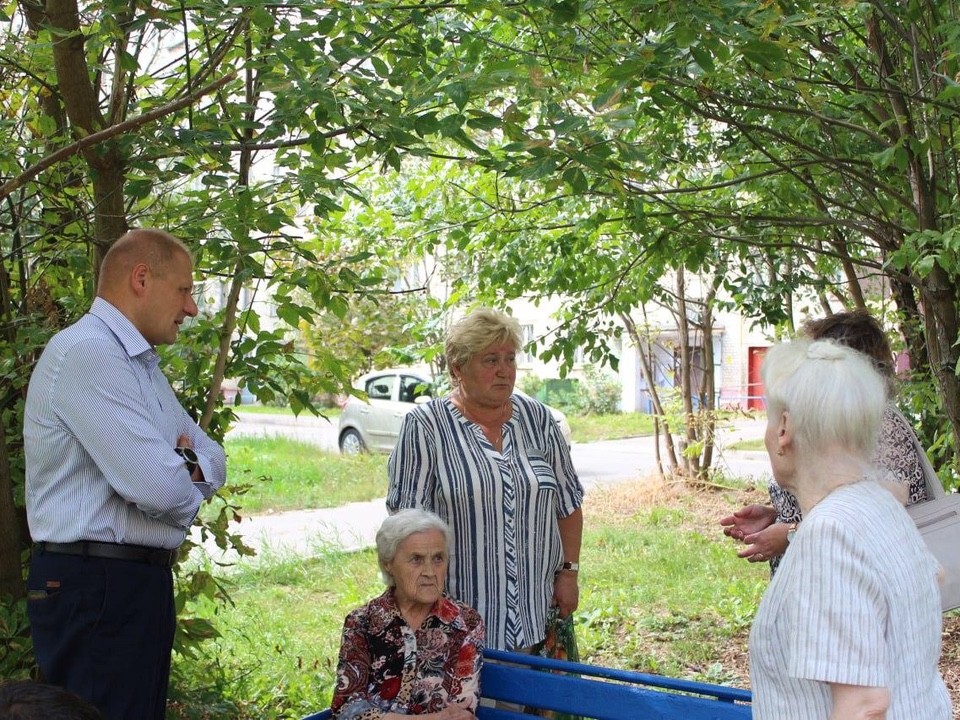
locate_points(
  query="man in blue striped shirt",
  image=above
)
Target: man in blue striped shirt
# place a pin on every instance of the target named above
(115, 473)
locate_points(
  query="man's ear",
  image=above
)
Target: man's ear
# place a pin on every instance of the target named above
(139, 276)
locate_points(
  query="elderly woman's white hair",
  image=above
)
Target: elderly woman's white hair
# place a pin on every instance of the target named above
(478, 330)
(834, 394)
(398, 527)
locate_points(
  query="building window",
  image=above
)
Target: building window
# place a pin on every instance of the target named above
(524, 356)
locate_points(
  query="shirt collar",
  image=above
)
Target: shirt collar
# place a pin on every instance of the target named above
(444, 610)
(125, 331)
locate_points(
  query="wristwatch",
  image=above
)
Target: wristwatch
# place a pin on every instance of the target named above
(190, 458)
(571, 566)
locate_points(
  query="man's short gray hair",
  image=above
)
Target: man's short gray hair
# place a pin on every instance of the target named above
(398, 527)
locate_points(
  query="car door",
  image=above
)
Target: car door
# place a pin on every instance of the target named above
(379, 415)
(407, 389)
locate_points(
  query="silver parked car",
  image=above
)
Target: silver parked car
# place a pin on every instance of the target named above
(373, 425)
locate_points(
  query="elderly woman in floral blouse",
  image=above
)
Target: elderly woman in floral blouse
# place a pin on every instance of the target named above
(412, 650)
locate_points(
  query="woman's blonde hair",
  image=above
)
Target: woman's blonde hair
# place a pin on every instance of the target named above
(478, 330)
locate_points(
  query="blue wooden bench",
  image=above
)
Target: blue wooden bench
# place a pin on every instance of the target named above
(591, 691)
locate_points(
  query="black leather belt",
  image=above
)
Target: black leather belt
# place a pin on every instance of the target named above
(113, 551)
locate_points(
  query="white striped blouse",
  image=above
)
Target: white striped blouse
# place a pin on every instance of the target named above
(854, 602)
(100, 426)
(502, 507)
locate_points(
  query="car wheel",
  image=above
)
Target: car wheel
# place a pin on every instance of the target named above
(351, 443)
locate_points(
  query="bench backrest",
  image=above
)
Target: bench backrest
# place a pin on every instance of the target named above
(592, 691)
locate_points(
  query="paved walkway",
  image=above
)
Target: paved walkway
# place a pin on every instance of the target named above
(353, 526)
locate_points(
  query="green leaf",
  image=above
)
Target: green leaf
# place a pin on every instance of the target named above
(128, 62)
(703, 57)
(458, 94)
(575, 178)
(764, 53)
(380, 67)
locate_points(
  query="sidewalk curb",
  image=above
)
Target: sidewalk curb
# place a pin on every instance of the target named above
(304, 419)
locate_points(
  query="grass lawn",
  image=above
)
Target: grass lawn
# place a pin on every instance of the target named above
(661, 591)
(287, 474)
(590, 428)
(748, 445)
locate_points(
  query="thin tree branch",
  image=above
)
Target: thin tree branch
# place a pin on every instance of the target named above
(98, 137)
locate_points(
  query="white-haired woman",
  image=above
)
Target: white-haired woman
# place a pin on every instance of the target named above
(764, 529)
(413, 650)
(495, 466)
(849, 627)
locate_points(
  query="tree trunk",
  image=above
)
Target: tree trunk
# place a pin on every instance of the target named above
(708, 404)
(646, 369)
(691, 465)
(11, 570)
(940, 312)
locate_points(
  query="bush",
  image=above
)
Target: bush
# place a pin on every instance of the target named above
(599, 391)
(563, 394)
(532, 384)
(16, 648)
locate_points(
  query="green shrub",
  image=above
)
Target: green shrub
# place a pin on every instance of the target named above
(16, 648)
(563, 394)
(599, 391)
(532, 384)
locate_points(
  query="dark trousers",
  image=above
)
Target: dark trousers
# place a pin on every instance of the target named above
(104, 630)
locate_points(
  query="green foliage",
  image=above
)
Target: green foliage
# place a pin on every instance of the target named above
(532, 384)
(16, 648)
(563, 394)
(923, 406)
(278, 650)
(587, 150)
(600, 391)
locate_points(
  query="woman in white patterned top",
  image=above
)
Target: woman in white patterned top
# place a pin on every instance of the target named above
(849, 627)
(764, 529)
(495, 466)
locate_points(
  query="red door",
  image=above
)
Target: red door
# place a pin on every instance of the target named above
(755, 357)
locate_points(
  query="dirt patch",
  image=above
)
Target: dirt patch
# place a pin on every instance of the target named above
(703, 507)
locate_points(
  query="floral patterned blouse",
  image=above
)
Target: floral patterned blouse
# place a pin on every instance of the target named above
(386, 666)
(896, 454)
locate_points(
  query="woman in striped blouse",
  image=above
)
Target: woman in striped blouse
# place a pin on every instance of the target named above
(849, 627)
(495, 466)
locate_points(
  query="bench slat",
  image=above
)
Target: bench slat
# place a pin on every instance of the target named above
(599, 699)
(721, 692)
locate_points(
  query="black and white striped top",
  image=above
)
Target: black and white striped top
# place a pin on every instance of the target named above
(502, 507)
(100, 426)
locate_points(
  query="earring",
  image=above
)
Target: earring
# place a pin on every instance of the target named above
(780, 451)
